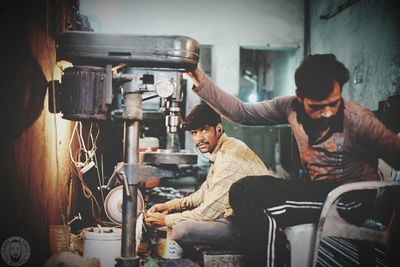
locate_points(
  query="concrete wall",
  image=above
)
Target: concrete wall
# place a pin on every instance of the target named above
(366, 38)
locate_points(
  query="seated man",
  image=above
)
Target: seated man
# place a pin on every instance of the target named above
(203, 218)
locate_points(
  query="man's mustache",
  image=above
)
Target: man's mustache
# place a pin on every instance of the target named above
(202, 143)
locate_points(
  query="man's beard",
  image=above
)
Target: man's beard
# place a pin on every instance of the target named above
(318, 130)
(323, 123)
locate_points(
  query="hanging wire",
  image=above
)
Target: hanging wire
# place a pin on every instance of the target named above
(89, 151)
(99, 177)
(87, 192)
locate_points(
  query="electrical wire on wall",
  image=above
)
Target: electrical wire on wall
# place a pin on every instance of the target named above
(85, 158)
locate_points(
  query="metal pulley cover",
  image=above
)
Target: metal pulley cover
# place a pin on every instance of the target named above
(113, 204)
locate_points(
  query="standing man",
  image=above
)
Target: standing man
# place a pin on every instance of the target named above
(204, 216)
(339, 141)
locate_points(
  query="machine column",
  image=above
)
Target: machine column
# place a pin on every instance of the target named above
(132, 110)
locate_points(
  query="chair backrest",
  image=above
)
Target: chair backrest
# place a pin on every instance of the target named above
(332, 224)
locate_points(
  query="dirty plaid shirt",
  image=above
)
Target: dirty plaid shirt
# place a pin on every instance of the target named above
(230, 161)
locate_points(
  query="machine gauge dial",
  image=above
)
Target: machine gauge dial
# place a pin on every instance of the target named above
(165, 88)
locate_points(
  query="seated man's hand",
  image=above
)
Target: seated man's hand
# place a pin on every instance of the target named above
(161, 207)
(155, 219)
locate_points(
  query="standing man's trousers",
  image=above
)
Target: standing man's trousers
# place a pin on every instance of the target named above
(265, 205)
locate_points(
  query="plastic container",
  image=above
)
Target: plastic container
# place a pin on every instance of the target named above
(103, 243)
(166, 247)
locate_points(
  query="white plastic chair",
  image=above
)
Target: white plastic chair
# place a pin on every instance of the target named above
(331, 224)
(305, 239)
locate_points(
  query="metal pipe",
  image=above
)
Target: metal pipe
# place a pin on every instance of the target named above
(132, 142)
(307, 33)
(129, 202)
(129, 211)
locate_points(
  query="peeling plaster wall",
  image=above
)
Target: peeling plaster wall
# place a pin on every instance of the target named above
(366, 38)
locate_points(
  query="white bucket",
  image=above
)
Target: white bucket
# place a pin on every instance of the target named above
(103, 243)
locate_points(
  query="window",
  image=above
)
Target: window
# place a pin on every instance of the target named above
(266, 73)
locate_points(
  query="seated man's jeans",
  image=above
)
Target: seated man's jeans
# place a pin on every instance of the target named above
(218, 233)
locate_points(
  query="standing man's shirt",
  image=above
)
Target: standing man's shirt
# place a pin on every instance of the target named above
(230, 161)
(347, 153)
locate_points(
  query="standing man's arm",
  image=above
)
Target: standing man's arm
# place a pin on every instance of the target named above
(269, 112)
(196, 76)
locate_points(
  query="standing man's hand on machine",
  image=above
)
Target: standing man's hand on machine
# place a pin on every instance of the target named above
(196, 76)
